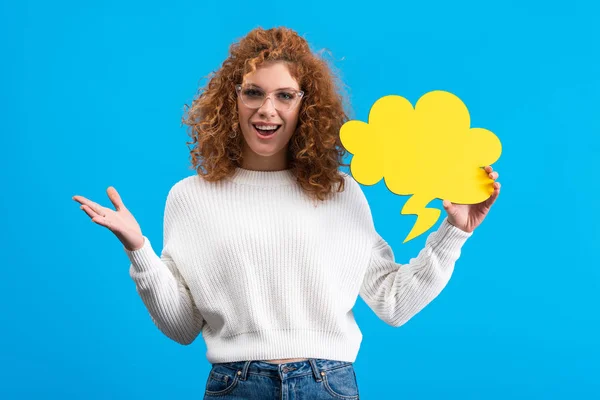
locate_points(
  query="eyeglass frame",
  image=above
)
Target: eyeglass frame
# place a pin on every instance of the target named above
(299, 94)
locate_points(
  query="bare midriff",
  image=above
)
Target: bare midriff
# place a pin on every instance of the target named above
(287, 360)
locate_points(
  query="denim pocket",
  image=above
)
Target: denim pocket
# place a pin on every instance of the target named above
(221, 380)
(341, 382)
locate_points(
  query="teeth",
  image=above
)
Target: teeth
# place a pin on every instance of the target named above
(266, 127)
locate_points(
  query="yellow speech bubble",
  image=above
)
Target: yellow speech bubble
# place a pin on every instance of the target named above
(429, 151)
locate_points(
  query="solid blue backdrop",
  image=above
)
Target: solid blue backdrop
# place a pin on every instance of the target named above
(92, 95)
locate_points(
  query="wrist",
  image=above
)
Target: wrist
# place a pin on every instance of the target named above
(136, 246)
(457, 226)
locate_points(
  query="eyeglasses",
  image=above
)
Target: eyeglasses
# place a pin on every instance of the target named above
(284, 100)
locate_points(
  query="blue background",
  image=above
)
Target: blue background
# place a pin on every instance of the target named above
(92, 96)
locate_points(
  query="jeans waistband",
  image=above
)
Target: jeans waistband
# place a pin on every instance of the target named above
(312, 366)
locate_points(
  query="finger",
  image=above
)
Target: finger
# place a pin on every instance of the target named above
(97, 218)
(102, 221)
(98, 209)
(494, 175)
(494, 195)
(114, 197)
(80, 199)
(488, 169)
(491, 199)
(91, 213)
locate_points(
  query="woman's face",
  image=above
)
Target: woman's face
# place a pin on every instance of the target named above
(267, 151)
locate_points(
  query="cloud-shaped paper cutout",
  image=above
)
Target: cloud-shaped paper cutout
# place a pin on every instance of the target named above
(429, 151)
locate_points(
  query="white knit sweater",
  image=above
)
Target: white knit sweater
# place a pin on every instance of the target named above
(264, 272)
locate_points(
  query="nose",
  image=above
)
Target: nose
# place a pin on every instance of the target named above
(268, 107)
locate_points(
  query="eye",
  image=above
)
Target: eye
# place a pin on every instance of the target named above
(285, 95)
(252, 93)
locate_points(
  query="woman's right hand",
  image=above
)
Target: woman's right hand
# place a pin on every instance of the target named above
(120, 221)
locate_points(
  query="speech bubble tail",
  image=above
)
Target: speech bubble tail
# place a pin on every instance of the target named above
(426, 217)
(425, 220)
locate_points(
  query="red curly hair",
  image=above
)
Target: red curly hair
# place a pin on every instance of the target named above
(315, 151)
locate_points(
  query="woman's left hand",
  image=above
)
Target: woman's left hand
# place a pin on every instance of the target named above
(467, 217)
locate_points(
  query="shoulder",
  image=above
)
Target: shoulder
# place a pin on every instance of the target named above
(186, 184)
(182, 192)
(353, 190)
(349, 181)
(353, 199)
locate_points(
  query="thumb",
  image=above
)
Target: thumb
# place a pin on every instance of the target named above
(449, 207)
(114, 197)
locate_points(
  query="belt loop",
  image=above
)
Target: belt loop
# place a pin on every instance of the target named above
(315, 369)
(244, 374)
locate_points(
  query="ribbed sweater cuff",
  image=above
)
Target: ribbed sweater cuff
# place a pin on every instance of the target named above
(449, 236)
(143, 259)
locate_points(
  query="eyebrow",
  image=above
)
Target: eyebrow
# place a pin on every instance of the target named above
(289, 88)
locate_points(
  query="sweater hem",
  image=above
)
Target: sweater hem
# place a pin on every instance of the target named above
(284, 344)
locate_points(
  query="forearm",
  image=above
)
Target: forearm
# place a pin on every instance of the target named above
(167, 299)
(398, 292)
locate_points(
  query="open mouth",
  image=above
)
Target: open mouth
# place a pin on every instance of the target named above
(266, 130)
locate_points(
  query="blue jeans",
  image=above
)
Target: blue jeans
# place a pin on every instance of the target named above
(314, 379)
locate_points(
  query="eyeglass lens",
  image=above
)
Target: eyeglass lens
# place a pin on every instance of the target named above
(254, 98)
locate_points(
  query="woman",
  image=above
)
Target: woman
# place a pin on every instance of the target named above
(268, 246)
